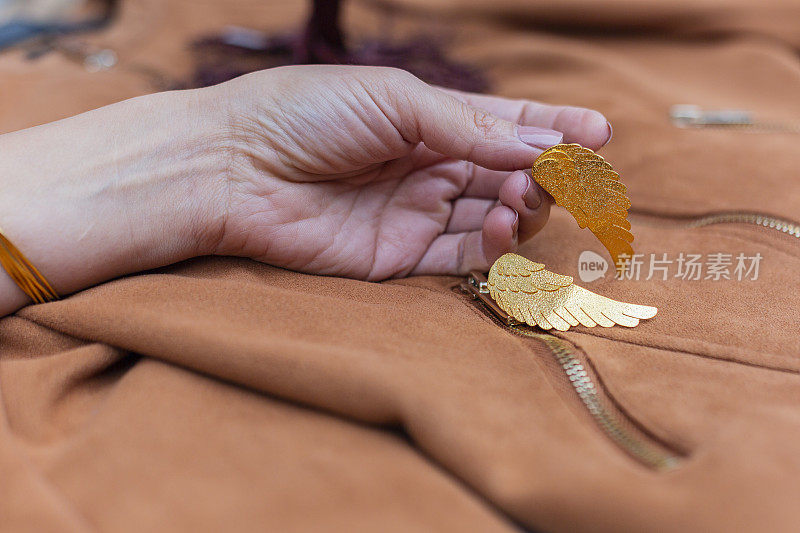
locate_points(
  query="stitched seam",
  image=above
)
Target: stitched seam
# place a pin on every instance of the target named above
(690, 352)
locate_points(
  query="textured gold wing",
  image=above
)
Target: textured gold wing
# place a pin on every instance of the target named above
(585, 185)
(536, 296)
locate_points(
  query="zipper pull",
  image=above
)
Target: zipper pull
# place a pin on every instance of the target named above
(477, 286)
(685, 116)
(692, 116)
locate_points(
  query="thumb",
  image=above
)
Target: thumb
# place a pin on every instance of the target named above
(461, 131)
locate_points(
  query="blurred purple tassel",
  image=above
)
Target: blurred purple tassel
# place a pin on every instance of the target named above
(237, 51)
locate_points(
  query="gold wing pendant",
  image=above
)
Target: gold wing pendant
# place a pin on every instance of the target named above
(538, 297)
(585, 185)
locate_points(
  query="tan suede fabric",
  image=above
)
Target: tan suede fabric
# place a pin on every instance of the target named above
(226, 395)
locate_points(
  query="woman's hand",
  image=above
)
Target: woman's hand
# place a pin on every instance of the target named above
(355, 171)
(370, 173)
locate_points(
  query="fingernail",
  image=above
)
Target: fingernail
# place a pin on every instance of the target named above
(610, 132)
(539, 137)
(531, 195)
(515, 225)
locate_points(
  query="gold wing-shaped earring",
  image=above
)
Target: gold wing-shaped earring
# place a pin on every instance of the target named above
(585, 184)
(538, 297)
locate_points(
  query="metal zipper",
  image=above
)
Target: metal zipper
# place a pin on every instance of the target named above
(621, 431)
(731, 217)
(784, 226)
(616, 428)
(692, 116)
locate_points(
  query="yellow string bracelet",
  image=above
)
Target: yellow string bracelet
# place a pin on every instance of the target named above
(24, 274)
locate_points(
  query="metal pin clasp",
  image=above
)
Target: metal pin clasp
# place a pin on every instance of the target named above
(477, 286)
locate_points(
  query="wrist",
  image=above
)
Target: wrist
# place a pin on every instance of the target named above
(117, 190)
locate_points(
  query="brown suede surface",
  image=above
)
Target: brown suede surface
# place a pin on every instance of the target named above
(225, 395)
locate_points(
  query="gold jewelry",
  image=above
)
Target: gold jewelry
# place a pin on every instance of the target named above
(24, 274)
(585, 184)
(525, 292)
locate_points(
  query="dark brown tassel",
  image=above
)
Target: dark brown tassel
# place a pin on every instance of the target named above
(238, 51)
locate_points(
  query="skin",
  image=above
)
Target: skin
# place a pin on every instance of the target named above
(363, 172)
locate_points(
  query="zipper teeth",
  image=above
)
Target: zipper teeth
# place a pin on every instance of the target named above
(753, 127)
(734, 217)
(778, 224)
(587, 391)
(616, 429)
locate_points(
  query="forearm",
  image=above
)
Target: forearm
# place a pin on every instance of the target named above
(112, 191)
